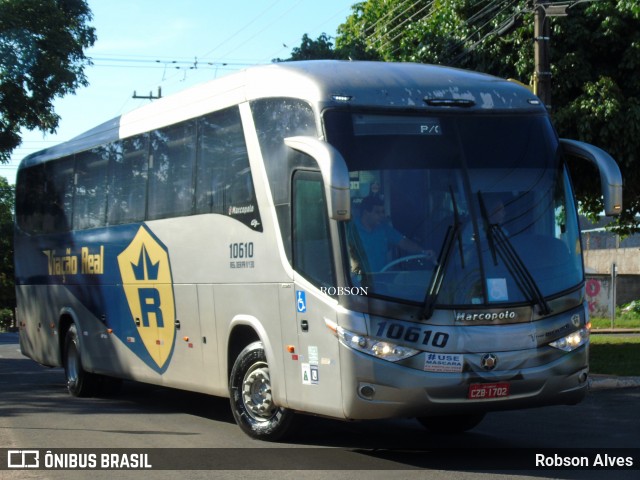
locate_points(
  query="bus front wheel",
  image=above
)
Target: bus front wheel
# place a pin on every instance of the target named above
(252, 402)
(80, 383)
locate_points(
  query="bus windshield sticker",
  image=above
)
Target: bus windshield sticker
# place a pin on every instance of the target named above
(497, 289)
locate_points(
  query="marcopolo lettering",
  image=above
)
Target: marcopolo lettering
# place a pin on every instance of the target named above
(486, 316)
(333, 291)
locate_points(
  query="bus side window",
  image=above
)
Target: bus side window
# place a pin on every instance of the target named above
(171, 164)
(30, 198)
(312, 256)
(128, 181)
(90, 202)
(58, 198)
(223, 176)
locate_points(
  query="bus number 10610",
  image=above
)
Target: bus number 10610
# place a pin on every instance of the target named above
(241, 250)
(397, 331)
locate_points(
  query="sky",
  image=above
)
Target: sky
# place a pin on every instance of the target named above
(146, 44)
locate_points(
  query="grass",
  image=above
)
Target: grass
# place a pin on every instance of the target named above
(615, 355)
(618, 322)
(627, 316)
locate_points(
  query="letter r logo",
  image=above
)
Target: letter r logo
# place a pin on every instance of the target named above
(148, 286)
(150, 305)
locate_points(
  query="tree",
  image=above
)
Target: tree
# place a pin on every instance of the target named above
(323, 49)
(7, 291)
(309, 49)
(595, 62)
(41, 59)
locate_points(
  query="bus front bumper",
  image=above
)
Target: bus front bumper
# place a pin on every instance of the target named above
(375, 389)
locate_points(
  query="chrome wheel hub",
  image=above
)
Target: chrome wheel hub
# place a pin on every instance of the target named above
(256, 392)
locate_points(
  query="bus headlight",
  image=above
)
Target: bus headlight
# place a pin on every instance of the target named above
(572, 341)
(376, 348)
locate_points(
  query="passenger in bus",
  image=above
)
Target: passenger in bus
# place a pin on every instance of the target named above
(377, 237)
(374, 191)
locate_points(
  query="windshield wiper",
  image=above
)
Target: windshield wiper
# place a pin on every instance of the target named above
(453, 233)
(500, 244)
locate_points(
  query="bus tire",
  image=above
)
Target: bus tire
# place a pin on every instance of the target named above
(80, 383)
(250, 395)
(451, 423)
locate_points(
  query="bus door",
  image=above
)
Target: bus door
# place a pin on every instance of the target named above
(315, 360)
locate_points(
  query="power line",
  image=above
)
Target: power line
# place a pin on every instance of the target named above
(315, 29)
(193, 63)
(263, 29)
(388, 14)
(432, 12)
(242, 29)
(402, 23)
(468, 51)
(478, 16)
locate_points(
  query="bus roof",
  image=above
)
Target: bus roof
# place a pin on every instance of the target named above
(321, 82)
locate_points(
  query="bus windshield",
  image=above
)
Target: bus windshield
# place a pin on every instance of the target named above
(457, 210)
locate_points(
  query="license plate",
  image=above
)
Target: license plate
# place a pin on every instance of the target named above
(482, 391)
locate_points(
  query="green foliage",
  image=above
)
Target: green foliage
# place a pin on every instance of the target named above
(627, 316)
(6, 319)
(41, 58)
(309, 49)
(7, 290)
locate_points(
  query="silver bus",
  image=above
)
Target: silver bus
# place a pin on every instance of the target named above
(356, 240)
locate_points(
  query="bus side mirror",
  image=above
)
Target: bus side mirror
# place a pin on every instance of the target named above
(610, 176)
(335, 174)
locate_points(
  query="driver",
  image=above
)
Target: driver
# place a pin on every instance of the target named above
(377, 236)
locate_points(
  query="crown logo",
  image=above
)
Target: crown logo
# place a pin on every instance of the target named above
(145, 269)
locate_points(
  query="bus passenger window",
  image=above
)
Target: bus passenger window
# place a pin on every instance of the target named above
(30, 198)
(127, 196)
(223, 178)
(59, 196)
(90, 203)
(171, 171)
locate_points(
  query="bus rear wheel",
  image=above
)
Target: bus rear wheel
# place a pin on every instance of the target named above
(252, 402)
(451, 423)
(80, 383)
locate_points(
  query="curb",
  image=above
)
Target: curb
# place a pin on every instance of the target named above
(604, 382)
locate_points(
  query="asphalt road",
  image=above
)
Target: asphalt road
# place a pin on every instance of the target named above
(188, 430)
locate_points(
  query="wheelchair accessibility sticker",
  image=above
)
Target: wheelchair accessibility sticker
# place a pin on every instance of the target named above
(301, 301)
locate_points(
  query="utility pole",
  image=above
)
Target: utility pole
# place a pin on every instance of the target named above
(148, 97)
(542, 36)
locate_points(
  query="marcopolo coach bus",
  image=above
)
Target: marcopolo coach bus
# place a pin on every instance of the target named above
(356, 240)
